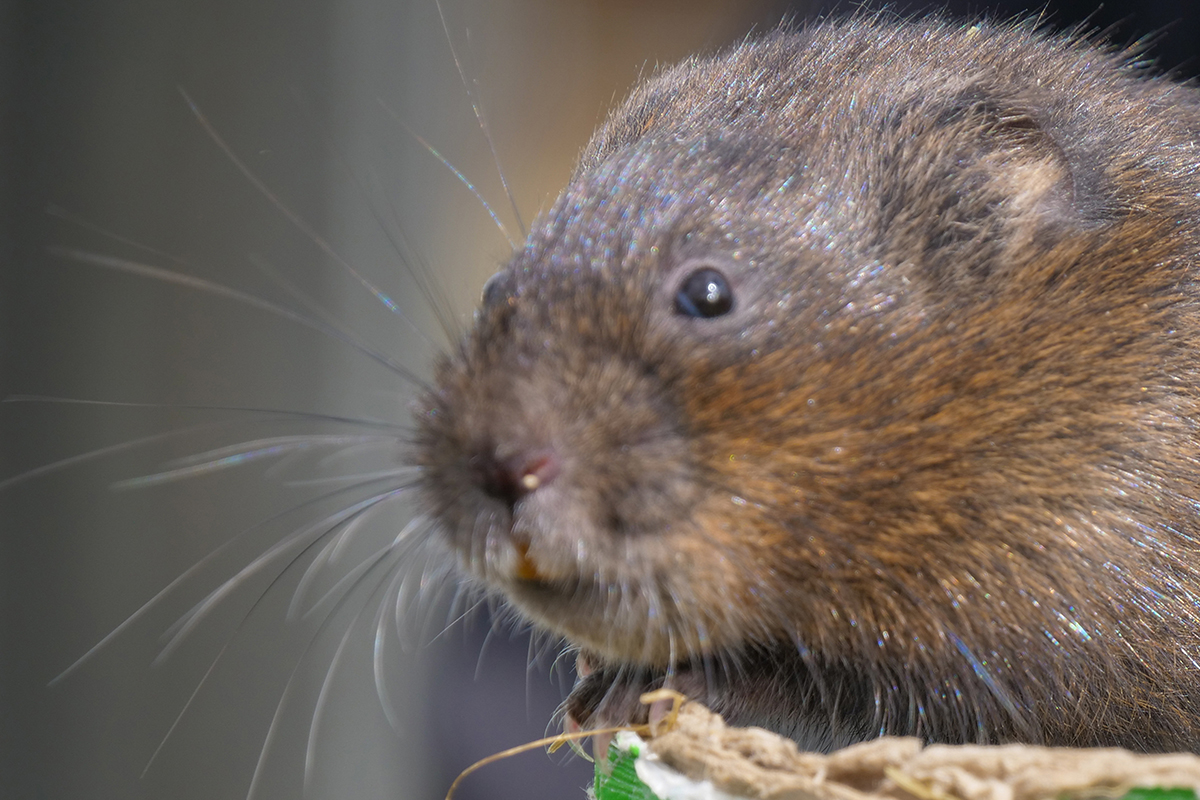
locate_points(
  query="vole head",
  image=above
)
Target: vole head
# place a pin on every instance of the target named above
(862, 337)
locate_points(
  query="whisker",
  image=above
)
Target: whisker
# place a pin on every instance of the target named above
(188, 704)
(377, 651)
(531, 665)
(80, 222)
(456, 620)
(101, 452)
(361, 476)
(419, 595)
(434, 152)
(310, 753)
(558, 665)
(245, 616)
(226, 457)
(323, 526)
(357, 450)
(419, 268)
(178, 581)
(331, 553)
(283, 413)
(184, 620)
(284, 463)
(477, 107)
(487, 639)
(269, 738)
(405, 533)
(220, 290)
(322, 559)
(293, 440)
(351, 576)
(261, 264)
(413, 265)
(284, 209)
(295, 671)
(265, 267)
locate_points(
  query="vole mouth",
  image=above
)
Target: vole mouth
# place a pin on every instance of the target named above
(533, 585)
(525, 569)
(520, 564)
(625, 602)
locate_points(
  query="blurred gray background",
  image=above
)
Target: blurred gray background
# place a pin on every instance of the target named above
(93, 123)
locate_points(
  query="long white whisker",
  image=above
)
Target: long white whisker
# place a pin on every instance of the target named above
(269, 738)
(418, 267)
(73, 218)
(257, 261)
(285, 462)
(220, 290)
(323, 558)
(188, 704)
(377, 651)
(222, 459)
(284, 209)
(530, 668)
(101, 452)
(170, 587)
(185, 619)
(301, 441)
(315, 308)
(404, 534)
(413, 265)
(310, 753)
(454, 621)
(330, 553)
(354, 477)
(299, 538)
(352, 577)
(367, 445)
(224, 648)
(283, 413)
(477, 107)
(401, 598)
(314, 567)
(446, 163)
(487, 639)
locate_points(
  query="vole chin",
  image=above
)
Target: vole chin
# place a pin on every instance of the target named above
(851, 387)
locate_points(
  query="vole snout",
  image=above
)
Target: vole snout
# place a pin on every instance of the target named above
(565, 454)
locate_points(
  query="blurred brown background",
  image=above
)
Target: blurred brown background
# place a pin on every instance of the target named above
(93, 122)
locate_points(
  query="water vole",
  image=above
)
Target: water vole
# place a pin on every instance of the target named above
(850, 386)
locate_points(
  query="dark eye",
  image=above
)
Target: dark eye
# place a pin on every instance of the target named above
(704, 293)
(498, 288)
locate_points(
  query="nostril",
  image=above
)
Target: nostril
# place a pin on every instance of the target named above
(538, 471)
(510, 479)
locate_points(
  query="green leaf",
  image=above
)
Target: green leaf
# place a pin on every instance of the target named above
(622, 782)
(1159, 793)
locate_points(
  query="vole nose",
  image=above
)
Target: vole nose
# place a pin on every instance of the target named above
(509, 479)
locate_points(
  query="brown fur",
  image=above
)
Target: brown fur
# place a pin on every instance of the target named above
(937, 472)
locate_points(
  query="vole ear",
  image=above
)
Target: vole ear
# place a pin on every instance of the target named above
(974, 174)
(1030, 159)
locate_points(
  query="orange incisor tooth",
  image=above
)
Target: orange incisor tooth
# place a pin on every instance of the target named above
(526, 570)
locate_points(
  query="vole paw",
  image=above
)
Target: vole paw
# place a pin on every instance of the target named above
(606, 696)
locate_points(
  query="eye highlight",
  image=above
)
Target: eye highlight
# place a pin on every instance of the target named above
(704, 293)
